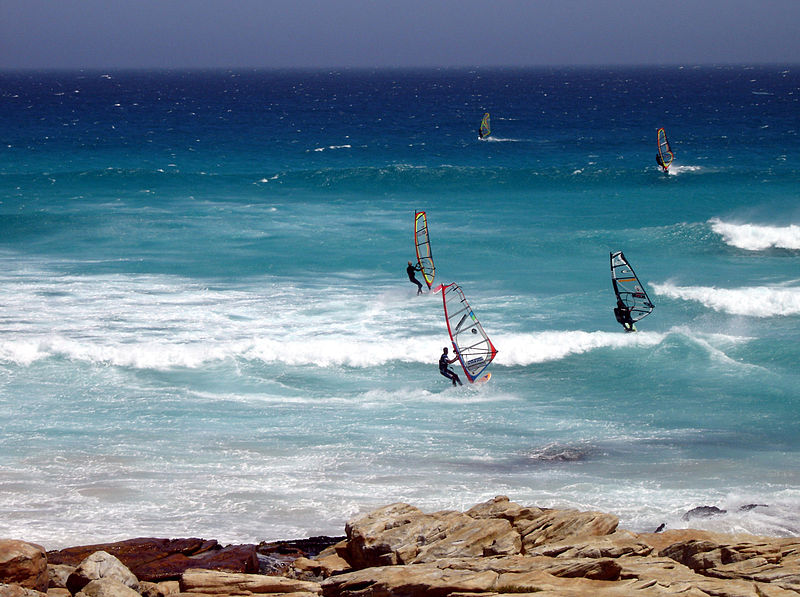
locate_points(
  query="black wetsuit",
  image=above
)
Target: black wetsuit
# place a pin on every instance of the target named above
(623, 315)
(448, 373)
(410, 271)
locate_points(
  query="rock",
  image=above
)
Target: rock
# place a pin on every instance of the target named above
(107, 587)
(101, 565)
(615, 545)
(24, 564)
(318, 569)
(159, 589)
(703, 512)
(14, 590)
(134, 552)
(560, 525)
(401, 534)
(418, 579)
(233, 558)
(58, 592)
(157, 560)
(229, 583)
(276, 556)
(748, 507)
(58, 575)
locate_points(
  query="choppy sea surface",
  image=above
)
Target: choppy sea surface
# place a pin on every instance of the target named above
(206, 328)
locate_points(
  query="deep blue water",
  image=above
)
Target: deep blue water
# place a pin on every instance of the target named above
(206, 328)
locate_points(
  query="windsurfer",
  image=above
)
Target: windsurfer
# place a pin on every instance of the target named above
(623, 315)
(445, 370)
(410, 270)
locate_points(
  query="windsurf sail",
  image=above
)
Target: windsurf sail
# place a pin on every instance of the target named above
(665, 155)
(628, 288)
(474, 349)
(423, 242)
(486, 128)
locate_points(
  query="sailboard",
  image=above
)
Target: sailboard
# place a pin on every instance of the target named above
(472, 346)
(423, 243)
(665, 154)
(486, 128)
(629, 289)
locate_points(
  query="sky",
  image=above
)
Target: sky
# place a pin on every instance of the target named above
(175, 34)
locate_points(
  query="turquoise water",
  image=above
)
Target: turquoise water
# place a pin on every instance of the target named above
(206, 328)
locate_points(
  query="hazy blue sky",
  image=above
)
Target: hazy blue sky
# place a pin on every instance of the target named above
(339, 33)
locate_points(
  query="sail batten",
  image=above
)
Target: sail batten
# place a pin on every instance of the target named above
(471, 344)
(628, 288)
(423, 245)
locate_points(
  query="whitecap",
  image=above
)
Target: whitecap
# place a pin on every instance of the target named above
(757, 237)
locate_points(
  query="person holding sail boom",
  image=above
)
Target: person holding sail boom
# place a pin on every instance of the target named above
(623, 315)
(410, 270)
(445, 370)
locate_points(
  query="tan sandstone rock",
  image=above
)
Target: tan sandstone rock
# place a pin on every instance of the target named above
(14, 590)
(107, 587)
(212, 582)
(402, 534)
(23, 564)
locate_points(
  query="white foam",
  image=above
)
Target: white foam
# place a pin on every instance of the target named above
(676, 170)
(755, 237)
(757, 301)
(540, 347)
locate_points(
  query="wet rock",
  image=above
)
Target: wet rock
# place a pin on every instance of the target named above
(703, 512)
(275, 557)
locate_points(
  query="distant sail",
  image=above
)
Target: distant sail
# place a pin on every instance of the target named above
(486, 128)
(665, 155)
(628, 288)
(423, 242)
(474, 349)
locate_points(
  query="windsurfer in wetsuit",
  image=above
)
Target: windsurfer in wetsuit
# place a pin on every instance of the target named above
(410, 270)
(623, 315)
(445, 370)
(660, 162)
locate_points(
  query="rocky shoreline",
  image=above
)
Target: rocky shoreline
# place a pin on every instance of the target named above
(493, 549)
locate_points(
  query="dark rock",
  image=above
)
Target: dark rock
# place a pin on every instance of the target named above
(275, 557)
(748, 507)
(156, 560)
(703, 512)
(133, 551)
(661, 527)
(233, 558)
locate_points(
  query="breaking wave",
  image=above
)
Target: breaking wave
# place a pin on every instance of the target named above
(755, 237)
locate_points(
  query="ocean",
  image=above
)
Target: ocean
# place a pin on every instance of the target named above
(206, 328)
